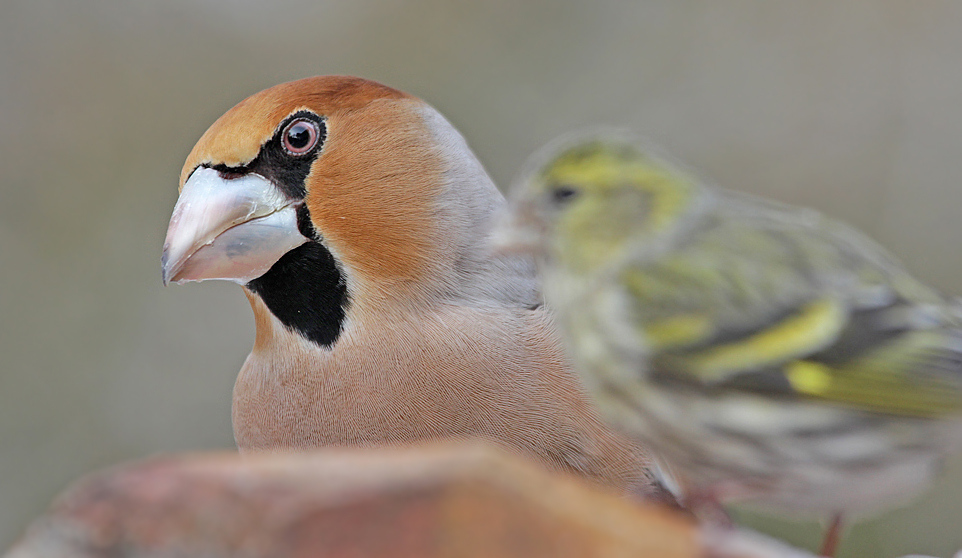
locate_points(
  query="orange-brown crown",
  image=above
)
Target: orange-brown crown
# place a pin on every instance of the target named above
(237, 136)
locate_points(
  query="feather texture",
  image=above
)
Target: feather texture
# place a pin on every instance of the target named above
(394, 323)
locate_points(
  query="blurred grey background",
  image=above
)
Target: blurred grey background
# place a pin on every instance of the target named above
(852, 107)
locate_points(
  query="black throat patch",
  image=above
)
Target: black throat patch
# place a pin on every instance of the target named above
(304, 289)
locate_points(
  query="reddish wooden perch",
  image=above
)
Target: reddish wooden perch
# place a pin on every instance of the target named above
(436, 501)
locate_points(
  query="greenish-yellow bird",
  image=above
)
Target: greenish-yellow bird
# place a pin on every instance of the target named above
(769, 353)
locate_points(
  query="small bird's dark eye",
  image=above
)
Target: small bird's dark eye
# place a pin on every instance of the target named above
(563, 194)
(300, 136)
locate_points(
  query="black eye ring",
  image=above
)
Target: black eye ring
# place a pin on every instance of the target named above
(300, 136)
(564, 194)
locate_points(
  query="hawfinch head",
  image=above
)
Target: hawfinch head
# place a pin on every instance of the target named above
(329, 193)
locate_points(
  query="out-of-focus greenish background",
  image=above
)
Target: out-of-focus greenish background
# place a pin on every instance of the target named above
(852, 107)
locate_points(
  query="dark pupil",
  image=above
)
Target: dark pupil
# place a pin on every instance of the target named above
(561, 194)
(299, 136)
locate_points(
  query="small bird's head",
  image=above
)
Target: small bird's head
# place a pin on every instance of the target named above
(581, 203)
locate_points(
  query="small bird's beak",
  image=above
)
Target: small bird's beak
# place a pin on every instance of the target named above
(233, 229)
(516, 232)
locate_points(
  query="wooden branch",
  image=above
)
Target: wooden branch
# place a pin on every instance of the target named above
(454, 500)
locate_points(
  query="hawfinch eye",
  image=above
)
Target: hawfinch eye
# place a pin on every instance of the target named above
(300, 136)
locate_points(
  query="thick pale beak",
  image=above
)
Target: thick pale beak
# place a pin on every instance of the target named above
(233, 229)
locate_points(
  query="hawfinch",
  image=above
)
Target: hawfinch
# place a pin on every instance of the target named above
(355, 218)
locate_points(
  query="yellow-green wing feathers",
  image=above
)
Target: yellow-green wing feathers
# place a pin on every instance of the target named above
(916, 374)
(785, 302)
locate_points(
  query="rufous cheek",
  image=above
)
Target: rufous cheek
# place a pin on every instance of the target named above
(371, 193)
